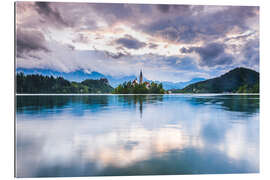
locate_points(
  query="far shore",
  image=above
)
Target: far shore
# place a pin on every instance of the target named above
(110, 94)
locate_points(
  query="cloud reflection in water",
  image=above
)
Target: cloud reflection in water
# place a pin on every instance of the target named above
(136, 135)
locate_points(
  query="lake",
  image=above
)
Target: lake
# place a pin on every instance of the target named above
(107, 135)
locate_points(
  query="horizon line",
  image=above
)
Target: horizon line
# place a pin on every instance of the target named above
(105, 94)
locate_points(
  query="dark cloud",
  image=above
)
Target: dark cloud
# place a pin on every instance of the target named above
(113, 12)
(81, 39)
(49, 14)
(178, 63)
(210, 51)
(163, 8)
(251, 52)
(35, 57)
(175, 9)
(144, 8)
(221, 22)
(211, 55)
(29, 41)
(186, 50)
(130, 42)
(70, 46)
(177, 30)
(223, 59)
(188, 27)
(115, 55)
(152, 46)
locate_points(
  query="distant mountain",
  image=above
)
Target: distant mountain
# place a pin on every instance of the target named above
(115, 81)
(238, 80)
(77, 76)
(178, 85)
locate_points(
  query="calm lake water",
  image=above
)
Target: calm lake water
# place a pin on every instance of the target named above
(100, 135)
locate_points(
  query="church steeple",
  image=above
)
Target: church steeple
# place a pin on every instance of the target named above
(141, 77)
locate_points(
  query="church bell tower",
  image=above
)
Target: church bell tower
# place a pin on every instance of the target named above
(141, 77)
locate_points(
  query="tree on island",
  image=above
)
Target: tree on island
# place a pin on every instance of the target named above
(135, 88)
(140, 87)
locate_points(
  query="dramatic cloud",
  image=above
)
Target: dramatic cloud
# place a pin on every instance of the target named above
(49, 14)
(115, 55)
(29, 41)
(152, 46)
(116, 11)
(130, 43)
(251, 53)
(211, 55)
(164, 8)
(192, 27)
(170, 42)
(81, 39)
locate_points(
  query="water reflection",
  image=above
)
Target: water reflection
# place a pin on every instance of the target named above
(135, 135)
(139, 100)
(35, 104)
(241, 103)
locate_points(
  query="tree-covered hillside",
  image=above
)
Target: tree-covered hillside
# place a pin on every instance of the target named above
(48, 84)
(238, 80)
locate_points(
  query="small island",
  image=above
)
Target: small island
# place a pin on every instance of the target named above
(140, 87)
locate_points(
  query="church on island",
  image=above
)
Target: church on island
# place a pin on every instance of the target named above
(135, 81)
(139, 86)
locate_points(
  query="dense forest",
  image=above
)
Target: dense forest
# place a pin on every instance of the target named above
(35, 83)
(144, 88)
(238, 80)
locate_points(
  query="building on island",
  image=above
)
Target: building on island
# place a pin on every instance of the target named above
(147, 84)
(135, 81)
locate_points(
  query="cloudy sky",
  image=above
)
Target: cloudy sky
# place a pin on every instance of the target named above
(169, 42)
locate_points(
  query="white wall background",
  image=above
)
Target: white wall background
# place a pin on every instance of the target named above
(7, 89)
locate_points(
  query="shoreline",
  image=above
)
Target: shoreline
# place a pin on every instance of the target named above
(195, 94)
